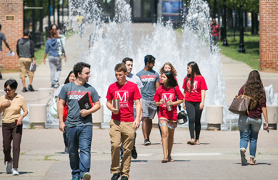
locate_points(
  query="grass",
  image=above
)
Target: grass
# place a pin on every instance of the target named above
(39, 53)
(252, 46)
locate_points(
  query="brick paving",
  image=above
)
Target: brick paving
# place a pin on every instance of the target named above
(42, 150)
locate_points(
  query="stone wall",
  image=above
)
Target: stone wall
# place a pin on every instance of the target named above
(269, 35)
(13, 29)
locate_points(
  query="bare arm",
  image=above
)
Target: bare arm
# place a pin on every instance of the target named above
(44, 58)
(265, 117)
(5, 42)
(203, 94)
(157, 84)
(85, 112)
(60, 107)
(136, 123)
(111, 108)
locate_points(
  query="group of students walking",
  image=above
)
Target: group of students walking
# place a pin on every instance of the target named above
(131, 99)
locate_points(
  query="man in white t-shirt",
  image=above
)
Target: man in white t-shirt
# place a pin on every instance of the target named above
(135, 79)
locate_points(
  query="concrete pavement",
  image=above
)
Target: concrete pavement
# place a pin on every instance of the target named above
(216, 158)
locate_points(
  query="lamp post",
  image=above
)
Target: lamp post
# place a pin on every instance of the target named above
(241, 48)
(41, 17)
(33, 22)
(225, 42)
(53, 9)
(214, 9)
(58, 14)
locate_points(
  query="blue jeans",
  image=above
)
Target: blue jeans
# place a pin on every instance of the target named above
(79, 137)
(249, 130)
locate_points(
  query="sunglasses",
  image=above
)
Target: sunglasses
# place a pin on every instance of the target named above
(7, 90)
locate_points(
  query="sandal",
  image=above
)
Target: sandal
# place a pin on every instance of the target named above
(254, 163)
(243, 158)
(164, 161)
(191, 142)
(170, 159)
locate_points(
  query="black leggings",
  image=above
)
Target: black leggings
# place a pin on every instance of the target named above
(194, 115)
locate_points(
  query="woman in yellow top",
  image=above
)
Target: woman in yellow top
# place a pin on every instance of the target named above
(11, 105)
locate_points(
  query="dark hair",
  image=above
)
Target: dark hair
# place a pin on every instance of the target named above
(171, 81)
(12, 83)
(195, 72)
(53, 33)
(254, 88)
(0, 26)
(120, 67)
(127, 59)
(52, 27)
(67, 80)
(149, 59)
(173, 70)
(25, 32)
(78, 67)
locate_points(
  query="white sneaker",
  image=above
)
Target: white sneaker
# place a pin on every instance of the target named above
(9, 167)
(15, 172)
(87, 176)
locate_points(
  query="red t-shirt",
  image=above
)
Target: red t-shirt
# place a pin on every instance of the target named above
(161, 79)
(198, 85)
(214, 30)
(167, 94)
(255, 113)
(127, 94)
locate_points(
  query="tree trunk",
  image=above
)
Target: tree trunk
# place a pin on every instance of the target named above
(253, 23)
(246, 22)
(230, 18)
(256, 30)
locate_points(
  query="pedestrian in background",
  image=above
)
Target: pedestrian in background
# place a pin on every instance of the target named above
(3, 38)
(150, 80)
(214, 31)
(55, 62)
(25, 50)
(167, 97)
(11, 104)
(250, 123)
(194, 91)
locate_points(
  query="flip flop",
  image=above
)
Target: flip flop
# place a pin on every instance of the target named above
(254, 163)
(190, 142)
(170, 160)
(243, 159)
(164, 161)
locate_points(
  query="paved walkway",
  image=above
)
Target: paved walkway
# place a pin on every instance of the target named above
(216, 158)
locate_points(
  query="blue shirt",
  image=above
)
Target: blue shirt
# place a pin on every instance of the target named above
(52, 47)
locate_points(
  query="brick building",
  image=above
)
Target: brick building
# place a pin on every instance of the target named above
(269, 35)
(11, 19)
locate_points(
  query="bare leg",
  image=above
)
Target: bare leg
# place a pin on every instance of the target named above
(31, 80)
(170, 143)
(145, 128)
(165, 135)
(150, 126)
(23, 81)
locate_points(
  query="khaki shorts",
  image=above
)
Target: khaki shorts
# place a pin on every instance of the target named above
(24, 66)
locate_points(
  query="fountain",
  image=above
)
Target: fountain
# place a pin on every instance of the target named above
(112, 41)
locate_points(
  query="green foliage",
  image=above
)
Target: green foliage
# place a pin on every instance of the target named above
(251, 43)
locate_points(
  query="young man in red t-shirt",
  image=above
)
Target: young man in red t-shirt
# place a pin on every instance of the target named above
(122, 124)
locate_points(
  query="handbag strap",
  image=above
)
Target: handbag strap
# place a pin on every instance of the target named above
(179, 106)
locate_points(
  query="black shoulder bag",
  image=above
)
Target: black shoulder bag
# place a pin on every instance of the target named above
(182, 116)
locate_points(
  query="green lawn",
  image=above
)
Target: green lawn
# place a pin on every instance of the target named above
(39, 53)
(251, 44)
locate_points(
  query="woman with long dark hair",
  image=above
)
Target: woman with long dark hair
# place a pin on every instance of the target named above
(71, 77)
(250, 124)
(165, 96)
(194, 91)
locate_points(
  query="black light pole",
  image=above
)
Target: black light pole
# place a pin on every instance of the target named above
(225, 42)
(63, 13)
(49, 14)
(53, 9)
(24, 20)
(41, 17)
(214, 9)
(58, 13)
(241, 48)
(33, 22)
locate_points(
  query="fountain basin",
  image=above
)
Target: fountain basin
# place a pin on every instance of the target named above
(272, 113)
(37, 115)
(214, 117)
